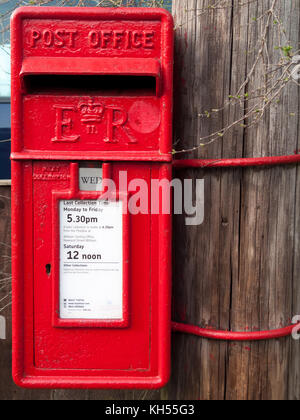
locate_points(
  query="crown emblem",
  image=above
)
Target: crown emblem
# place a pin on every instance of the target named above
(92, 113)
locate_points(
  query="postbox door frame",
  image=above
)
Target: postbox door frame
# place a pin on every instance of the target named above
(75, 194)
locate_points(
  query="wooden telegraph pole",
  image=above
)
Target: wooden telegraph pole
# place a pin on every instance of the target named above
(239, 270)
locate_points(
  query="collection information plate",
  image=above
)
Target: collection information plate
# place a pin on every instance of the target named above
(91, 260)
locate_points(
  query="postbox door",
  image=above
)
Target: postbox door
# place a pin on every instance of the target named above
(86, 347)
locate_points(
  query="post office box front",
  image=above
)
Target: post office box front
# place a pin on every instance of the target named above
(91, 122)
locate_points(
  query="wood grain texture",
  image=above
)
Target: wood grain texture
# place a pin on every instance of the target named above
(240, 269)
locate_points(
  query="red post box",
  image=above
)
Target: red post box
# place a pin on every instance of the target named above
(91, 108)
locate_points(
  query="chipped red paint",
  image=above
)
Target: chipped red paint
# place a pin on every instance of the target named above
(53, 131)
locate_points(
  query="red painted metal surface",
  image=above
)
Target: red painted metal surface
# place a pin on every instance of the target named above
(69, 107)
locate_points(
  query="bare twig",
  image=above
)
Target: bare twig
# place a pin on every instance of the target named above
(253, 104)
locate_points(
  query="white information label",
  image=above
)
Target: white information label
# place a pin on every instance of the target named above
(90, 179)
(91, 260)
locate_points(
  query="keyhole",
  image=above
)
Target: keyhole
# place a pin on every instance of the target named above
(48, 269)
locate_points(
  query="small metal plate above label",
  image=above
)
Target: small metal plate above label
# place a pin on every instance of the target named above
(90, 179)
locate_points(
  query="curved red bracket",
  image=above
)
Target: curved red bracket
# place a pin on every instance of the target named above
(233, 336)
(231, 163)
(236, 163)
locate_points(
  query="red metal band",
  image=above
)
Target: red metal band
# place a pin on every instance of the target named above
(227, 163)
(231, 163)
(233, 336)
